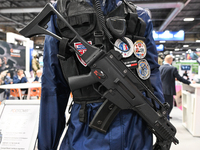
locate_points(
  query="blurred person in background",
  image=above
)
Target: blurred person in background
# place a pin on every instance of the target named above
(35, 63)
(3, 63)
(1, 90)
(38, 76)
(168, 75)
(20, 78)
(185, 75)
(7, 80)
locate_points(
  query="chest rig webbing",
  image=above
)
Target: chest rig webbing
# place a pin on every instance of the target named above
(122, 88)
(122, 22)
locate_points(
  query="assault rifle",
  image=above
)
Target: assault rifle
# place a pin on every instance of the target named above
(120, 83)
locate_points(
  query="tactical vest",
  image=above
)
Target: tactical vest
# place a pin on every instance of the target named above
(123, 21)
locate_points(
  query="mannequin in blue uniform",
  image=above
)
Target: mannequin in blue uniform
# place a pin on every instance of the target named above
(127, 132)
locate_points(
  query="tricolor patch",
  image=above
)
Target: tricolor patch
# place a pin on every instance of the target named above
(139, 49)
(81, 48)
(143, 69)
(123, 48)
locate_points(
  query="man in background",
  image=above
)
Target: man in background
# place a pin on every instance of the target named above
(168, 75)
(7, 80)
(35, 63)
(185, 75)
(38, 76)
(20, 78)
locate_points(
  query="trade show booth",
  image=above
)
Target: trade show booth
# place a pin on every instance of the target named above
(191, 108)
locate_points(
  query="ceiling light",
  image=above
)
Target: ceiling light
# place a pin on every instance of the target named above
(189, 50)
(166, 52)
(185, 45)
(188, 19)
(176, 49)
(162, 41)
(37, 47)
(198, 49)
(198, 41)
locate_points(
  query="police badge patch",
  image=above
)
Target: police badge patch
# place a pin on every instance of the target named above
(139, 49)
(123, 48)
(81, 48)
(143, 69)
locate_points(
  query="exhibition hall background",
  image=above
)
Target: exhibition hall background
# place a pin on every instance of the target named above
(176, 32)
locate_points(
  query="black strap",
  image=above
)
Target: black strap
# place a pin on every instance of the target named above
(79, 19)
(83, 112)
(89, 101)
(62, 48)
(98, 37)
(100, 19)
(99, 34)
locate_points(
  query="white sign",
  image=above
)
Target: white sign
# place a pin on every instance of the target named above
(19, 125)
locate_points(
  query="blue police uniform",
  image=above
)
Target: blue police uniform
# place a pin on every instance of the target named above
(128, 131)
(17, 80)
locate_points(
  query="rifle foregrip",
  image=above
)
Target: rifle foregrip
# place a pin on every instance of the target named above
(77, 82)
(104, 116)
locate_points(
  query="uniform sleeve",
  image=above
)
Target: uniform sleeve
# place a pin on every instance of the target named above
(179, 78)
(15, 79)
(7, 81)
(152, 56)
(23, 80)
(54, 98)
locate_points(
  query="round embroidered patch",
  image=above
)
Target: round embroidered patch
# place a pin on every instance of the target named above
(123, 48)
(139, 49)
(143, 69)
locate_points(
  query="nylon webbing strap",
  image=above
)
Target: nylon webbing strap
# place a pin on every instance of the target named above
(62, 48)
(100, 19)
(79, 20)
(99, 34)
(62, 56)
(83, 112)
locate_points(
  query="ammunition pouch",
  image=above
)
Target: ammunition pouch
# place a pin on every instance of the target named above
(81, 16)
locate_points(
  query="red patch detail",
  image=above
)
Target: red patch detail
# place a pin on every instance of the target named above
(81, 48)
(134, 64)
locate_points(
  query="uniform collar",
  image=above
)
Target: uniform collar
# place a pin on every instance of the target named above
(167, 64)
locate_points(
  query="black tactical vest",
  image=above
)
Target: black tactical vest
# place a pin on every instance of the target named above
(82, 17)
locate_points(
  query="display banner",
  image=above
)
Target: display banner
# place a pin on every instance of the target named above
(160, 47)
(19, 125)
(169, 36)
(12, 57)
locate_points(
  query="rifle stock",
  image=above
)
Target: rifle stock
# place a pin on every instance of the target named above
(119, 81)
(39, 24)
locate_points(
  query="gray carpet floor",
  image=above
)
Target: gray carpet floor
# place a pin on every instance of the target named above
(186, 140)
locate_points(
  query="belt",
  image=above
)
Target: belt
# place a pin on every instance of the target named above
(83, 110)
